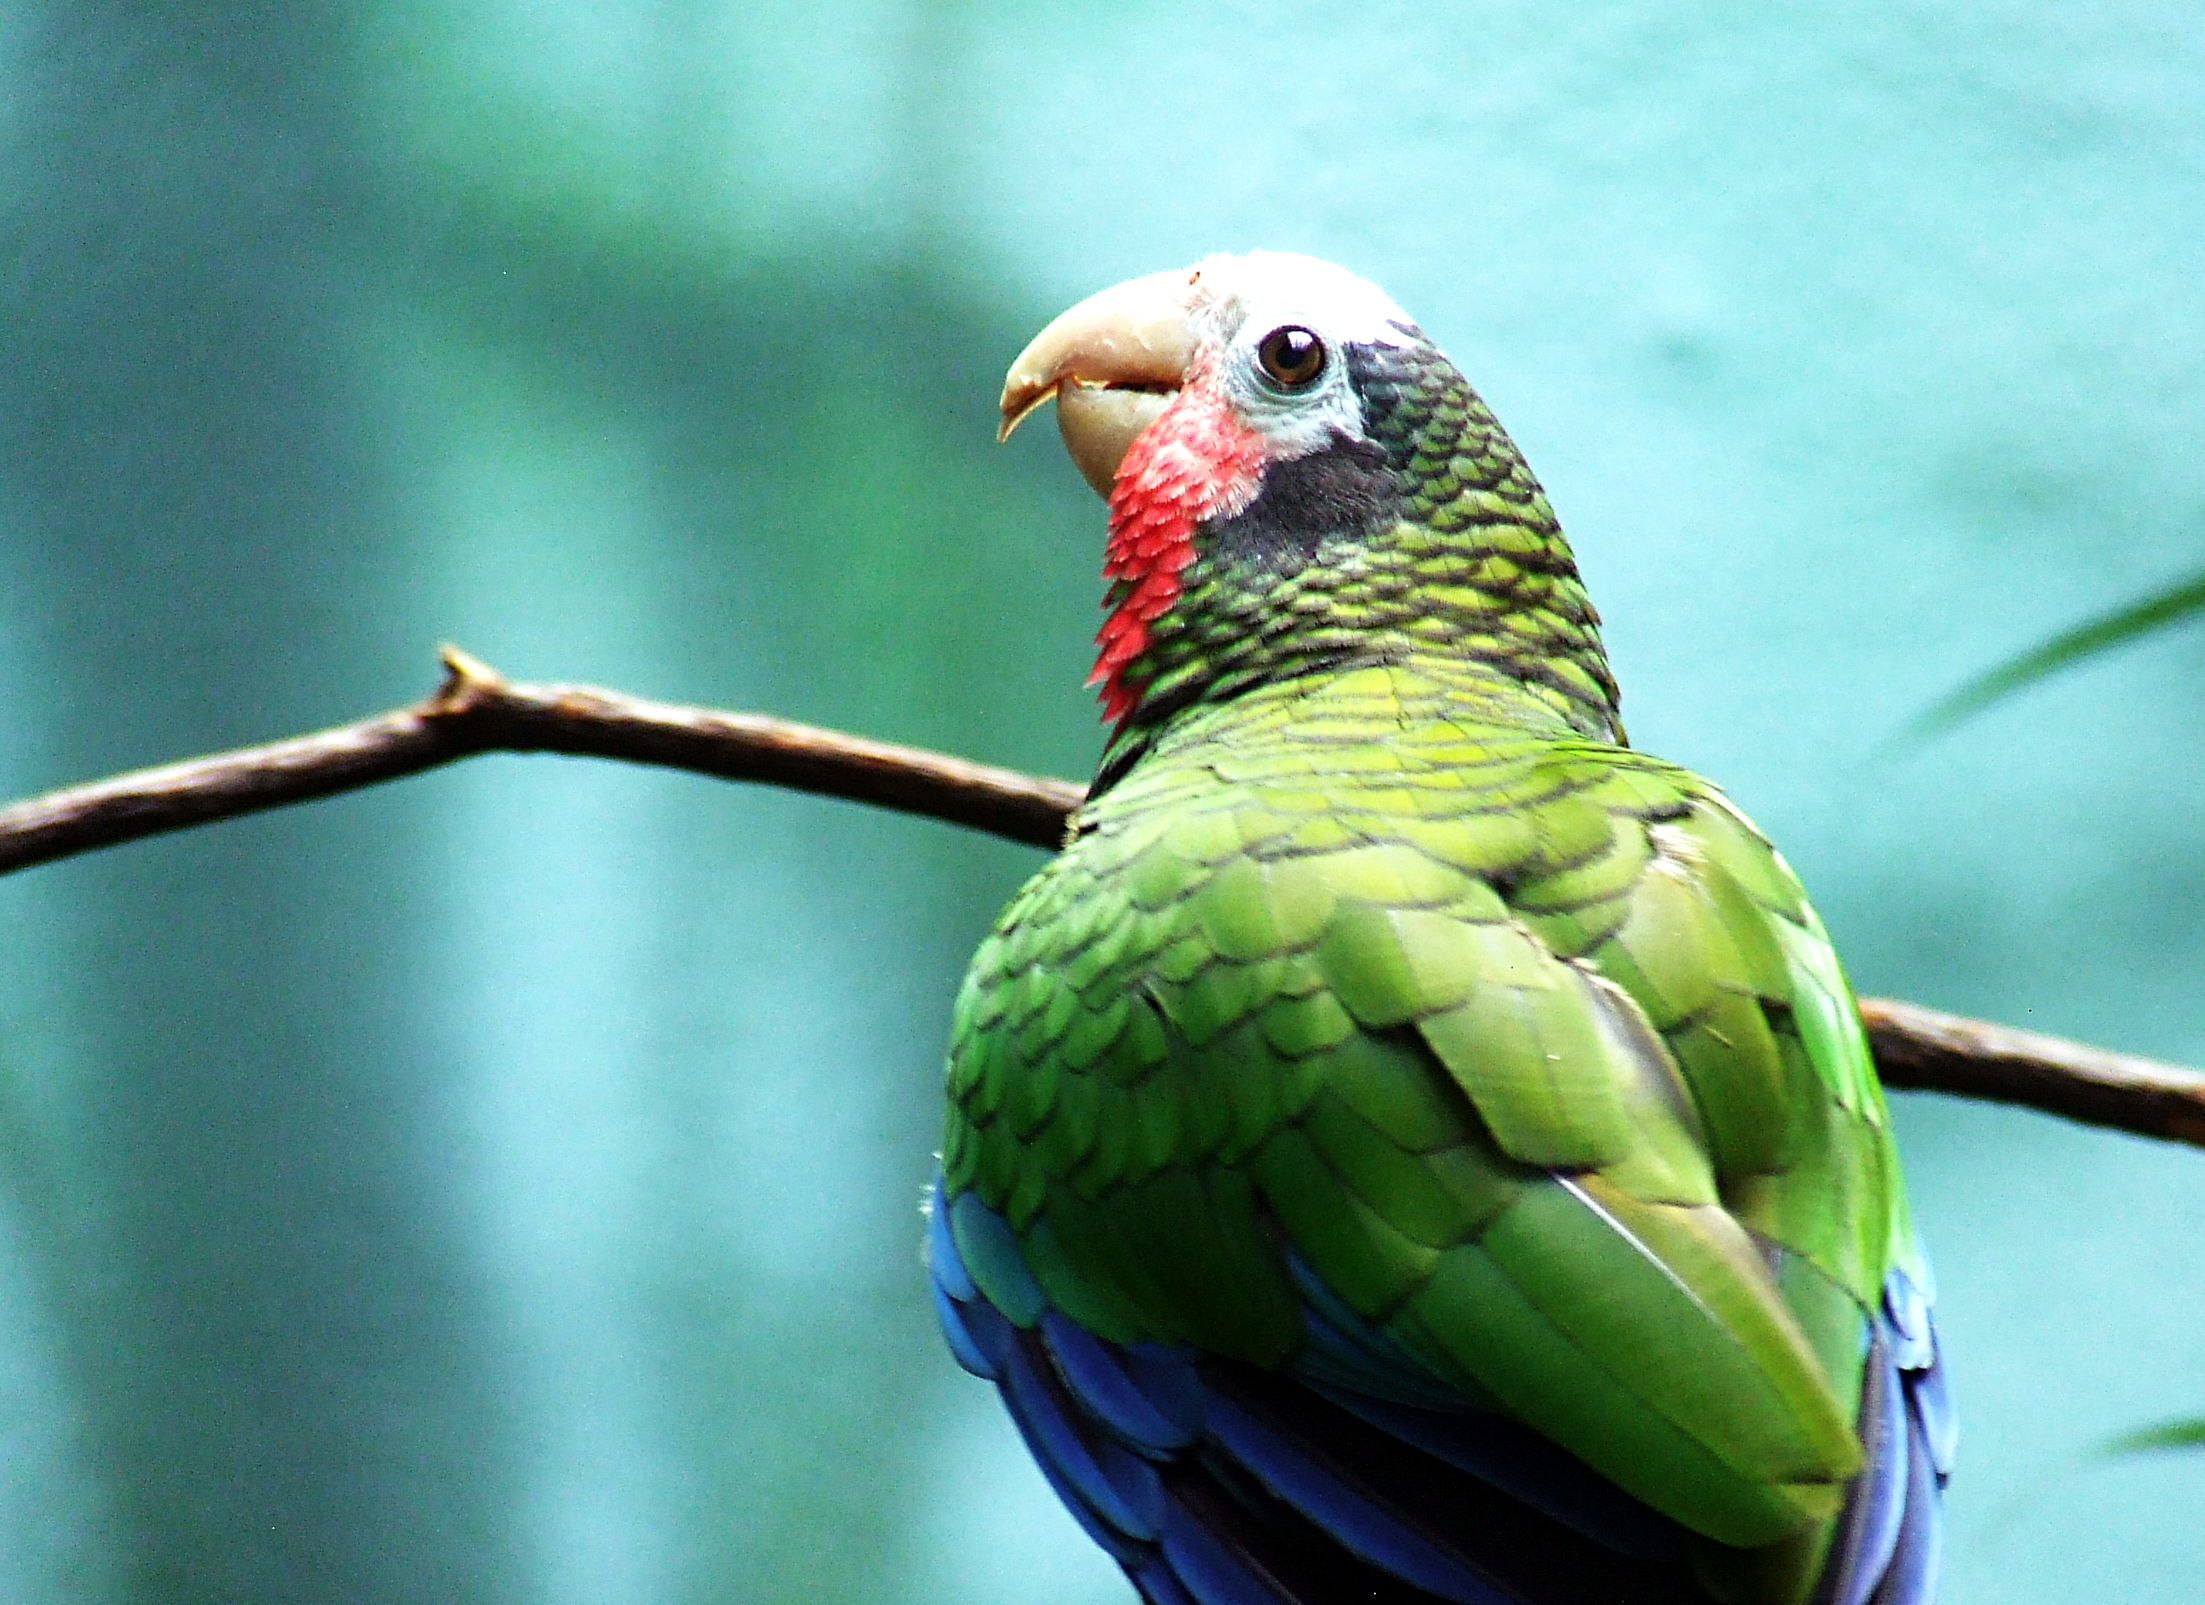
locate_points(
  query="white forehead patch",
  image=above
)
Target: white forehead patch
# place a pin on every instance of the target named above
(1276, 287)
(1237, 300)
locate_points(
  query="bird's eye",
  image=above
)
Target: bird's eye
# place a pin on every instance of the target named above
(1291, 356)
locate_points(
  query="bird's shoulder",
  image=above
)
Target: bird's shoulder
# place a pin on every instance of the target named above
(1438, 959)
(1427, 1019)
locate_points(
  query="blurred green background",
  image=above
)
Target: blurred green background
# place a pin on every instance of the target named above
(501, 1186)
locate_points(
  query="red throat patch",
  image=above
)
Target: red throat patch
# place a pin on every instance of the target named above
(1196, 461)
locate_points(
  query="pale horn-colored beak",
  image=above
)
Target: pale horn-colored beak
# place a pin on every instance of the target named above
(1113, 363)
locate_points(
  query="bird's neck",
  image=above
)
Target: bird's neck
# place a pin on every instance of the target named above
(1430, 542)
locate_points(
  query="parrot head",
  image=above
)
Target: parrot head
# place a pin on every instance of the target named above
(1297, 477)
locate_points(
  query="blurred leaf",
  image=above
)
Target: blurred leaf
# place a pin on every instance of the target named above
(2166, 1435)
(2177, 602)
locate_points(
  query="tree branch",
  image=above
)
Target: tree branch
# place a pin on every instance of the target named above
(477, 711)
(1926, 1050)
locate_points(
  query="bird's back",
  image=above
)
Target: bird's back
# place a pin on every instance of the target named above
(1403, 1143)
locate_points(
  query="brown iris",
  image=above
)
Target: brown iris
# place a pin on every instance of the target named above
(1291, 356)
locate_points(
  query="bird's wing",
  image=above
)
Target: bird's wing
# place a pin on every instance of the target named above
(1496, 1075)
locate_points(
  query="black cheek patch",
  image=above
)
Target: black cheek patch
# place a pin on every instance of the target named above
(1344, 488)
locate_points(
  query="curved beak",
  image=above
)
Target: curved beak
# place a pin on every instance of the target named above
(1112, 363)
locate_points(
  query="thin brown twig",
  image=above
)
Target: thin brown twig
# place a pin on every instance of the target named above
(477, 711)
(1928, 1050)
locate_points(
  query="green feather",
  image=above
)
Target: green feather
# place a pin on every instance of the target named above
(1376, 948)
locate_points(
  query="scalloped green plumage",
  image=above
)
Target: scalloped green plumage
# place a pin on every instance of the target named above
(1380, 973)
(1364, 1029)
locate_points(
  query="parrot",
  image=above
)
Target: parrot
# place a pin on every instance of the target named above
(1409, 1145)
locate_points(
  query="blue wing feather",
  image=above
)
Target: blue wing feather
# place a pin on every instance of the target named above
(1216, 1484)
(1159, 1584)
(1134, 1399)
(958, 1323)
(1931, 1402)
(1870, 1530)
(1120, 1487)
(1199, 1560)
(1338, 1506)
(1911, 1579)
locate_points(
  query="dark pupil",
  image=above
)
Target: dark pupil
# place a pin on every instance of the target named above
(1292, 355)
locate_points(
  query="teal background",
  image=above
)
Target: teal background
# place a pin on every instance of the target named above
(502, 1186)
